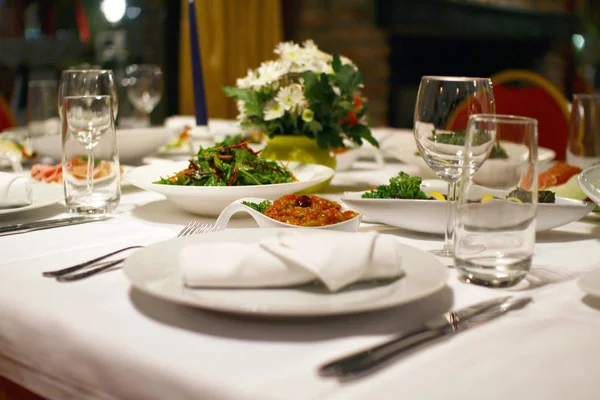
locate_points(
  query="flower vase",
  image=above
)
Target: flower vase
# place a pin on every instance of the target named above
(300, 149)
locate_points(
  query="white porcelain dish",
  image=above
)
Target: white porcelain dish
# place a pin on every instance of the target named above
(346, 160)
(264, 221)
(133, 144)
(43, 194)
(589, 182)
(590, 282)
(211, 200)
(429, 216)
(155, 271)
(400, 143)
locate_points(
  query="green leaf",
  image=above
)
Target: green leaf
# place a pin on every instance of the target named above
(336, 63)
(402, 186)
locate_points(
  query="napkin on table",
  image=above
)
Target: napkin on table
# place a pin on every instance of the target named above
(15, 191)
(288, 259)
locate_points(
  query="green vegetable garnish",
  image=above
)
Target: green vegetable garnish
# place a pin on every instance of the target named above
(402, 186)
(544, 196)
(229, 163)
(260, 207)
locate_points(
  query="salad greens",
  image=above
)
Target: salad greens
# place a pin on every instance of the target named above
(402, 186)
(260, 207)
(229, 163)
(458, 137)
(544, 196)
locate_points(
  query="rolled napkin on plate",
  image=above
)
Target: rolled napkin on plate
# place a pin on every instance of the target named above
(15, 191)
(334, 258)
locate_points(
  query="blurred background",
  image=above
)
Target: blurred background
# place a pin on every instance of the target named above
(394, 43)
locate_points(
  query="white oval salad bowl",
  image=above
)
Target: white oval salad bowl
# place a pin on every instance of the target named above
(429, 216)
(211, 200)
(264, 221)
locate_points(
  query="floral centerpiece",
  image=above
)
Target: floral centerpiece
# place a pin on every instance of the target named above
(305, 92)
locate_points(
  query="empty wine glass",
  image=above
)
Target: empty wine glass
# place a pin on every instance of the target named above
(583, 148)
(144, 87)
(443, 107)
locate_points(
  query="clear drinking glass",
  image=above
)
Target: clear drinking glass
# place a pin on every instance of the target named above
(444, 104)
(42, 115)
(583, 147)
(495, 227)
(144, 87)
(88, 82)
(90, 161)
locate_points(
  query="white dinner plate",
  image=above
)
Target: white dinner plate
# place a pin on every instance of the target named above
(43, 194)
(155, 271)
(133, 144)
(589, 182)
(429, 216)
(400, 143)
(211, 200)
(590, 282)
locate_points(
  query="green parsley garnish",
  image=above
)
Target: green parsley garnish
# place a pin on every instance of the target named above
(402, 186)
(260, 207)
(458, 137)
(229, 163)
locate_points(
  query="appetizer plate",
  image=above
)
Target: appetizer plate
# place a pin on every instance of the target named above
(43, 194)
(263, 221)
(590, 282)
(133, 144)
(429, 216)
(155, 271)
(400, 143)
(211, 200)
(589, 182)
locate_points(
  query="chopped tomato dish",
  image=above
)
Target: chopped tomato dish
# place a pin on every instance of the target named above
(307, 211)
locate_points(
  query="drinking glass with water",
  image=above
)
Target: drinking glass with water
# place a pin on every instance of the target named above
(495, 226)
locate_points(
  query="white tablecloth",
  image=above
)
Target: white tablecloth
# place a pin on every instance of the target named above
(99, 338)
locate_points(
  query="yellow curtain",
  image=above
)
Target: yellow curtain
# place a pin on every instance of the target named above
(235, 35)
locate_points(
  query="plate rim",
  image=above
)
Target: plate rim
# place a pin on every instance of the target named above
(255, 234)
(55, 198)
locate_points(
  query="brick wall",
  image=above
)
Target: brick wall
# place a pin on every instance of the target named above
(348, 27)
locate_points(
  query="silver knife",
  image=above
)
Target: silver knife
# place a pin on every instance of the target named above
(362, 362)
(47, 224)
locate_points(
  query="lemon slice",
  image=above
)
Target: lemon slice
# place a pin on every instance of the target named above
(437, 195)
(10, 149)
(514, 199)
(487, 197)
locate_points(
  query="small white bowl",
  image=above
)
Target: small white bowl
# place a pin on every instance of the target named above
(263, 221)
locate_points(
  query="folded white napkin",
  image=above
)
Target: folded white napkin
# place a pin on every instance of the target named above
(336, 259)
(15, 191)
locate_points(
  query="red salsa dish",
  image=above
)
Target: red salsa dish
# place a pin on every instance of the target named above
(307, 211)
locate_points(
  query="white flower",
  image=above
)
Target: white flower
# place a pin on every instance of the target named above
(269, 72)
(308, 115)
(289, 51)
(273, 110)
(310, 45)
(290, 97)
(241, 106)
(248, 81)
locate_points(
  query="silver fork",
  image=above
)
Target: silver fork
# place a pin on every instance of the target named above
(97, 265)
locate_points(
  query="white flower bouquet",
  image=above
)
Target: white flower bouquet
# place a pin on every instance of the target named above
(304, 92)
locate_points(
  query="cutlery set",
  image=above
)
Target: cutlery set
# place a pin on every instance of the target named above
(352, 366)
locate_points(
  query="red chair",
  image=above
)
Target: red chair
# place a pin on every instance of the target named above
(7, 118)
(528, 94)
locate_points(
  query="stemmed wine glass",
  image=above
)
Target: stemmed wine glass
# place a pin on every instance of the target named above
(144, 86)
(443, 107)
(84, 97)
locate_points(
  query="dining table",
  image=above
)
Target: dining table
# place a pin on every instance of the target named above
(101, 338)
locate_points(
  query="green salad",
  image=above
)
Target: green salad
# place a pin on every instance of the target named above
(402, 186)
(229, 163)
